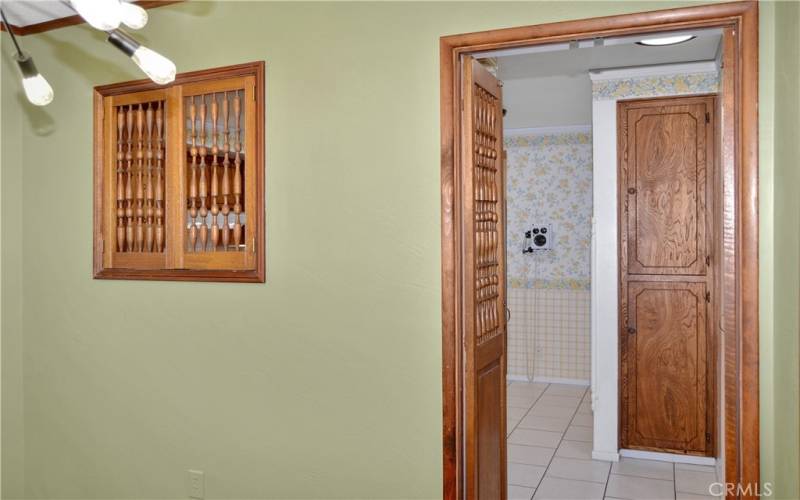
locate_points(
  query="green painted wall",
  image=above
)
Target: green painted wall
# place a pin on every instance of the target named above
(325, 381)
(787, 248)
(12, 429)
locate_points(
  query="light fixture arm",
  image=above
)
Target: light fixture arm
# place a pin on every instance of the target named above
(123, 41)
(10, 31)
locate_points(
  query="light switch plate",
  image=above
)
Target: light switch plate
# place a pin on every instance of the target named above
(195, 484)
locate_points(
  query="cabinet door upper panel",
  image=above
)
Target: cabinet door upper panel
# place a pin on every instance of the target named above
(665, 157)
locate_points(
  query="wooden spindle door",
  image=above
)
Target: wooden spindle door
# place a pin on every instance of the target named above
(135, 227)
(219, 171)
(485, 285)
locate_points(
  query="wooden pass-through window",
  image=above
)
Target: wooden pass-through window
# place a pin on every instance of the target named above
(179, 177)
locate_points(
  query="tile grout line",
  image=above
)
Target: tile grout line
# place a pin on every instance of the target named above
(544, 474)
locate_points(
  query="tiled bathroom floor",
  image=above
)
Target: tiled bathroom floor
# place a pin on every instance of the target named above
(550, 446)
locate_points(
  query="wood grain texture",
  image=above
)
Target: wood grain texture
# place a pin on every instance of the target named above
(667, 365)
(666, 168)
(666, 189)
(156, 177)
(739, 161)
(484, 270)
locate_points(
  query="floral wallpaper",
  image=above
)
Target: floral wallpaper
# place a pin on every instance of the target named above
(658, 85)
(549, 180)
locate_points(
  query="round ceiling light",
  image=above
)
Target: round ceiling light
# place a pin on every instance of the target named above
(667, 40)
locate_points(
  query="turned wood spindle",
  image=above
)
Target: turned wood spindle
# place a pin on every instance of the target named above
(159, 194)
(203, 186)
(148, 245)
(226, 181)
(214, 177)
(129, 183)
(193, 180)
(120, 180)
(237, 174)
(140, 180)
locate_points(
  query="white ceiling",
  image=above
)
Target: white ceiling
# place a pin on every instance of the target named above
(549, 86)
(28, 12)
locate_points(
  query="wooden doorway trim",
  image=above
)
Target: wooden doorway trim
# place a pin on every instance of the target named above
(739, 165)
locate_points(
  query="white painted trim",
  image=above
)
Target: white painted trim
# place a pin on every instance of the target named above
(668, 457)
(549, 380)
(565, 129)
(605, 456)
(661, 69)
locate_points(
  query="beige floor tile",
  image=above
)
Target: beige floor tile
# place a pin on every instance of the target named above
(689, 481)
(525, 475)
(553, 424)
(585, 409)
(583, 419)
(578, 433)
(581, 470)
(551, 411)
(566, 390)
(517, 413)
(574, 449)
(533, 437)
(519, 492)
(650, 469)
(530, 455)
(697, 468)
(520, 401)
(565, 401)
(691, 496)
(511, 424)
(639, 488)
(556, 488)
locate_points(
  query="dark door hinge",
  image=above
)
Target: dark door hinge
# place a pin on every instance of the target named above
(708, 117)
(708, 296)
(708, 437)
(708, 260)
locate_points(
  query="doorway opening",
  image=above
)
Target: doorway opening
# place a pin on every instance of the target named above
(547, 329)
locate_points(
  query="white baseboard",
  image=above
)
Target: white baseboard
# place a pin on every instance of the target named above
(607, 456)
(668, 457)
(549, 380)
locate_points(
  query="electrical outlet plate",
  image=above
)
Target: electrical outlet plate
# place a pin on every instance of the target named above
(195, 484)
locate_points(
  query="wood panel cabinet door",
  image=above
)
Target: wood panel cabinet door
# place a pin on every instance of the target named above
(666, 355)
(484, 280)
(666, 168)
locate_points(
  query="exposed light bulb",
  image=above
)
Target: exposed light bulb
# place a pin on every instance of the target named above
(36, 88)
(133, 16)
(104, 15)
(160, 69)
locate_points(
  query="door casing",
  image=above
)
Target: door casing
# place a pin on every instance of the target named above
(739, 255)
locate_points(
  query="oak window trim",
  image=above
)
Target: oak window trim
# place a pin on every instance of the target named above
(257, 275)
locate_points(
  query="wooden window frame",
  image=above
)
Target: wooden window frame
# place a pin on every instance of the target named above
(255, 275)
(739, 254)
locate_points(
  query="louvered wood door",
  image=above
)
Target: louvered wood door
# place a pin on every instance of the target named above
(484, 281)
(667, 159)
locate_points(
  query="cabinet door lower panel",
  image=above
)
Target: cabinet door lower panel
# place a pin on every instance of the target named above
(665, 358)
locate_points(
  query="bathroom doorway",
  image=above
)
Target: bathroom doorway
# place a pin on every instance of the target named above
(477, 424)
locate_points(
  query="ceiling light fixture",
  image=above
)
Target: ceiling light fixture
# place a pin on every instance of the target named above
(36, 88)
(133, 16)
(664, 41)
(104, 15)
(160, 69)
